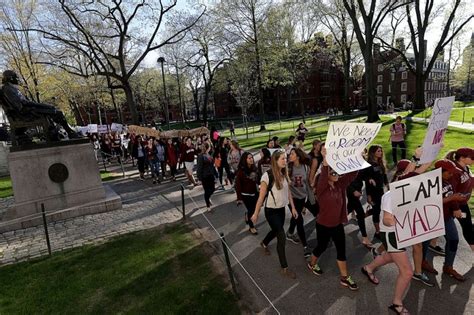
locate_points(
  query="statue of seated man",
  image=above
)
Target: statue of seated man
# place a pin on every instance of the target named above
(17, 104)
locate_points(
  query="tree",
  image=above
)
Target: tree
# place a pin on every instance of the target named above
(424, 14)
(108, 35)
(366, 31)
(242, 21)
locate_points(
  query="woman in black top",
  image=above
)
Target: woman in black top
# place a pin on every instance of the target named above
(220, 153)
(375, 182)
(301, 132)
(354, 193)
(205, 173)
(246, 184)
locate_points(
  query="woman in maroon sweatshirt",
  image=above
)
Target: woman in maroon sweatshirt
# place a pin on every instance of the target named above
(464, 183)
(187, 156)
(246, 184)
(331, 193)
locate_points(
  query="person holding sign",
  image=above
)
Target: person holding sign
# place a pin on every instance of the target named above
(331, 193)
(275, 192)
(464, 183)
(397, 137)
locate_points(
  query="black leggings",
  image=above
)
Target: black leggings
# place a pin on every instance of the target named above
(276, 220)
(354, 204)
(299, 223)
(377, 203)
(220, 170)
(141, 164)
(208, 185)
(336, 233)
(250, 202)
(466, 225)
(403, 148)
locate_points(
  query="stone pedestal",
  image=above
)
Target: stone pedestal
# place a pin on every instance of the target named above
(64, 177)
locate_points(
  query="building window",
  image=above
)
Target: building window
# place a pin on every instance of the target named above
(380, 68)
(403, 87)
(403, 98)
(379, 78)
(379, 89)
(392, 76)
(404, 75)
(389, 88)
(379, 100)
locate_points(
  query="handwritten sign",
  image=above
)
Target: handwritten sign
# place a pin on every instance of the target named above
(92, 128)
(102, 129)
(345, 143)
(437, 128)
(417, 204)
(116, 127)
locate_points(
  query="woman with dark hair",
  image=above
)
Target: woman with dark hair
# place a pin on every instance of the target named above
(298, 172)
(463, 183)
(220, 155)
(246, 187)
(172, 154)
(187, 156)
(264, 164)
(275, 195)
(331, 193)
(290, 144)
(270, 144)
(375, 182)
(316, 160)
(301, 132)
(205, 173)
(138, 152)
(233, 158)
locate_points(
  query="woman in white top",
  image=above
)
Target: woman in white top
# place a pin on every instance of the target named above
(276, 182)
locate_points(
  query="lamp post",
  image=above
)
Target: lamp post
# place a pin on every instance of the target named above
(167, 117)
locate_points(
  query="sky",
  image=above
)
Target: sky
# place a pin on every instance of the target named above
(432, 36)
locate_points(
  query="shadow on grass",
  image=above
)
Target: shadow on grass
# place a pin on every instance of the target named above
(150, 272)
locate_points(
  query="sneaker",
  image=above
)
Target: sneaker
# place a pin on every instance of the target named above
(437, 249)
(374, 252)
(293, 238)
(307, 252)
(348, 282)
(423, 279)
(315, 269)
(288, 273)
(425, 265)
(453, 273)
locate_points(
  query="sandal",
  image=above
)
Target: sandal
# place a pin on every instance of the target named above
(372, 278)
(253, 231)
(394, 307)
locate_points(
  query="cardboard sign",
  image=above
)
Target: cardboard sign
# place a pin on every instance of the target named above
(345, 143)
(437, 128)
(92, 128)
(102, 129)
(83, 130)
(116, 127)
(417, 204)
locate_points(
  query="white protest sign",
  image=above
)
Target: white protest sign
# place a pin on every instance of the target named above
(437, 128)
(83, 130)
(417, 205)
(92, 128)
(102, 129)
(116, 127)
(345, 143)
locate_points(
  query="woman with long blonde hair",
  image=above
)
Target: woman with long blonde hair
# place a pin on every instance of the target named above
(275, 195)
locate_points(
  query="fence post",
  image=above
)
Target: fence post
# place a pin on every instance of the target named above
(45, 224)
(229, 267)
(463, 114)
(183, 204)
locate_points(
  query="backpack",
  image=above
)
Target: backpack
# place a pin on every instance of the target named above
(271, 181)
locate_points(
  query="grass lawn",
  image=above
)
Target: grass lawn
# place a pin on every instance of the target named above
(150, 272)
(456, 114)
(463, 104)
(6, 189)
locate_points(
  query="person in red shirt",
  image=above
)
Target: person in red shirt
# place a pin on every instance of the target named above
(246, 183)
(464, 183)
(331, 193)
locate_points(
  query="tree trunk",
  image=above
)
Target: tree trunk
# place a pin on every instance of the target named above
(347, 81)
(196, 103)
(420, 91)
(132, 106)
(114, 102)
(372, 114)
(206, 101)
(259, 75)
(181, 110)
(278, 104)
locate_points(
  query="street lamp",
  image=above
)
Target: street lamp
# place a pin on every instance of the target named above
(167, 117)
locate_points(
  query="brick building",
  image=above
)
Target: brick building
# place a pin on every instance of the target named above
(396, 84)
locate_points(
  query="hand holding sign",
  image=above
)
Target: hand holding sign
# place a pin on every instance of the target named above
(345, 143)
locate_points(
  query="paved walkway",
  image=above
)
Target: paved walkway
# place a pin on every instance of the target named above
(451, 123)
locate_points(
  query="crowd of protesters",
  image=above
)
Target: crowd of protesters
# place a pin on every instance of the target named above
(289, 178)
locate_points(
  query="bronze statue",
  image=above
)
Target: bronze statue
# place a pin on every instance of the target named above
(23, 113)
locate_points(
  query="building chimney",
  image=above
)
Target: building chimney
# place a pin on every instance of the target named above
(376, 49)
(400, 44)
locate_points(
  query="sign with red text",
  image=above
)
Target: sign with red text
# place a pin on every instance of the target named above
(417, 204)
(437, 128)
(345, 143)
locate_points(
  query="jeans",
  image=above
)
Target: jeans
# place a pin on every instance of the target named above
(299, 223)
(276, 220)
(338, 236)
(466, 225)
(403, 148)
(354, 204)
(452, 241)
(208, 185)
(250, 202)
